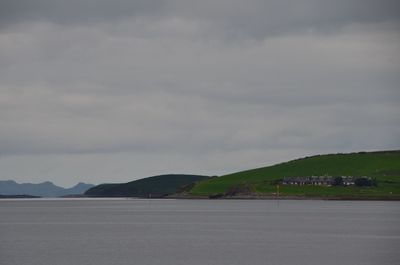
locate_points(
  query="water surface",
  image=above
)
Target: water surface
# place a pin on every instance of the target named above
(198, 232)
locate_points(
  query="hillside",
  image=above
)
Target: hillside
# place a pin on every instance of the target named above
(382, 166)
(157, 186)
(45, 189)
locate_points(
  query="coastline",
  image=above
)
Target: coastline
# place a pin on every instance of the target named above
(291, 197)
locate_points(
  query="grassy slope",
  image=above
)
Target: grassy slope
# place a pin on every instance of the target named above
(157, 186)
(384, 166)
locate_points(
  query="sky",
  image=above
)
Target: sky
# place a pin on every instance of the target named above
(111, 91)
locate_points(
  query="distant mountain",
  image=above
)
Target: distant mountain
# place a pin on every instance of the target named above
(79, 188)
(45, 189)
(155, 187)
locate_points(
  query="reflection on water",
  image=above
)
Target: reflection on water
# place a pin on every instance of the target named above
(173, 232)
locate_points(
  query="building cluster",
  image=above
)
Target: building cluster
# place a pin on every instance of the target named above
(319, 180)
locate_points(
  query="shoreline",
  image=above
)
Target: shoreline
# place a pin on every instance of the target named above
(205, 197)
(271, 197)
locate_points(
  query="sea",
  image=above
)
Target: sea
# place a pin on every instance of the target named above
(198, 232)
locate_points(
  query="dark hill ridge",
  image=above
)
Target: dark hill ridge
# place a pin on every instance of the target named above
(155, 187)
(45, 189)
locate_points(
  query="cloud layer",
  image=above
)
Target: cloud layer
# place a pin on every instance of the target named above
(101, 91)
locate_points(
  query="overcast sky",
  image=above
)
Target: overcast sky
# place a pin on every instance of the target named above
(111, 91)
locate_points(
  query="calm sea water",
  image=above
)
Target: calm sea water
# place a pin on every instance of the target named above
(198, 232)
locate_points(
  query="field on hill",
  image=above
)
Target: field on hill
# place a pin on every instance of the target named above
(382, 166)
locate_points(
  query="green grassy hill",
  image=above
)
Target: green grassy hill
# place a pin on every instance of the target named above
(383, 166)
(157, 186)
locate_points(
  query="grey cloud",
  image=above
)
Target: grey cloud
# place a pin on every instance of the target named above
(74, 11)
(223, 18)
(159, 87)
(265, 18)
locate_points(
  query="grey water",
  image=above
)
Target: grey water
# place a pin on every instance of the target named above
(198, 232)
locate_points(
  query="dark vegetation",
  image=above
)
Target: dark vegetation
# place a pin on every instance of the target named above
(338, 181)
(365, 182)
(18, 197)
(154, 187)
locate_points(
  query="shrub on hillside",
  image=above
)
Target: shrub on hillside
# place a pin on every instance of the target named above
(338, 181)
(365, 182)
